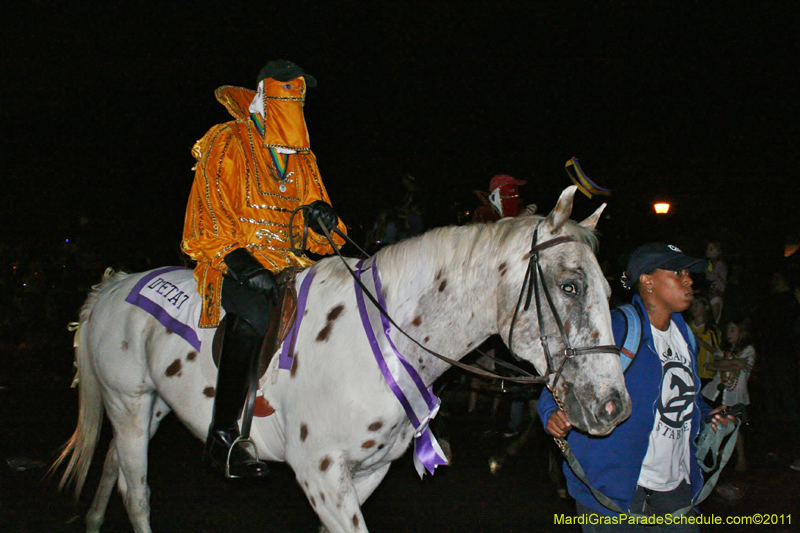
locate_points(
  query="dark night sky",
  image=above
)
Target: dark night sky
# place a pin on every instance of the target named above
(101, 104)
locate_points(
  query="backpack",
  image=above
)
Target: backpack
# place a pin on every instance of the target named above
(632, 335)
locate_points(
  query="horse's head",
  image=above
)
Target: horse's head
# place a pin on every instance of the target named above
(565, 283)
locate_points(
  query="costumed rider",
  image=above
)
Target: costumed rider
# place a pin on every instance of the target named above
(502, 201)
(250, 174)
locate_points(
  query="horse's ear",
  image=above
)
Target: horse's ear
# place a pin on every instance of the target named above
(562, 210)
(591, 221)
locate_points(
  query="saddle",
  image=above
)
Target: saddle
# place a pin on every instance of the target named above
(281, 320)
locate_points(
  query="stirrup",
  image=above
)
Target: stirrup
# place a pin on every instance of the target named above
(244, 441)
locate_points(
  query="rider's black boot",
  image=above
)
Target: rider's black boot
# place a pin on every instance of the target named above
(240, 350)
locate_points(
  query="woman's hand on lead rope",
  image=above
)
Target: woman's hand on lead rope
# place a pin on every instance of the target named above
(558, 425)
(723, 414)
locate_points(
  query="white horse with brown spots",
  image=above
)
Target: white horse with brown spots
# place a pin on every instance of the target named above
(336, 420)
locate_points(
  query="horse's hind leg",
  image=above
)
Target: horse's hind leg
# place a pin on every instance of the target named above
(131, 417)
(97, 512)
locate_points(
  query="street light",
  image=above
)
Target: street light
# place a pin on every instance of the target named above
(661, 208)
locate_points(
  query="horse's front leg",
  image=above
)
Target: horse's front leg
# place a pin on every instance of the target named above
(365, 484)
(367, 481)
(329, 487)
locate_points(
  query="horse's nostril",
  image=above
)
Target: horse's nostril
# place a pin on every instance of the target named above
(611, 408)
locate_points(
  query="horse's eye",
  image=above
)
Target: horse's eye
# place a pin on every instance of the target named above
(288, 86)
(569, 288)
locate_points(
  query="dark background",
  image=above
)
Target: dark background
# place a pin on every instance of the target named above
(100, 104)
(693, 102)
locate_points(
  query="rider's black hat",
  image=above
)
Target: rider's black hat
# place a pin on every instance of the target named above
(653, 255)
(284, 70)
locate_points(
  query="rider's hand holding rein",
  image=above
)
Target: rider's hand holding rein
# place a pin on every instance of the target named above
(321, 210)
(558, 425)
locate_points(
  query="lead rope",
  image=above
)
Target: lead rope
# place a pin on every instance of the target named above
(710, 441)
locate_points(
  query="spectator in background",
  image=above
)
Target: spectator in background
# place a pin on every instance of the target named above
(411, 210)
(707, 334)
(732, 367)
(384, 230)
(740, 293)
(717, 277)
(502, 201)
(778, 337)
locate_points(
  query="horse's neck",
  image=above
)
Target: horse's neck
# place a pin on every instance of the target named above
(442, 294)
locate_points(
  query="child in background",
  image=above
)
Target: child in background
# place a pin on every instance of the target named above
(707, 334)
(733, 366)
(717, 277)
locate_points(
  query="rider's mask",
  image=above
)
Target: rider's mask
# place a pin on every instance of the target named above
(505, 199)
(282, 110)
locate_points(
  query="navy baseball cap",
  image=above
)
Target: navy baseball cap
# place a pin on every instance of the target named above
(653, 255)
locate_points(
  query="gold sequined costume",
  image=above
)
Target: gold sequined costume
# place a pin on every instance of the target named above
(243, 195)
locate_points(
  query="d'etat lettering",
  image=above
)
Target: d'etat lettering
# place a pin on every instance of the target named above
(173, 294)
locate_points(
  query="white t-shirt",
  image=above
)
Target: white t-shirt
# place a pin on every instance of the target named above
(668, 458)
(735, 390)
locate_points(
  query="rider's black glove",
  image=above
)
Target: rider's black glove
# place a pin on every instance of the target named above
(246, 269)
(323, 210)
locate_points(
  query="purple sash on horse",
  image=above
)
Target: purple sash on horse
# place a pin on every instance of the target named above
(418, 401)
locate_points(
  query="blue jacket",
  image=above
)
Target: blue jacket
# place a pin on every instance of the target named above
(612, 463)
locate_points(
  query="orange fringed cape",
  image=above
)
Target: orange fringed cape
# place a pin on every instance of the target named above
(242, 196)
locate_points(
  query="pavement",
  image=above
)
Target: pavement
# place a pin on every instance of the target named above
(494, 484)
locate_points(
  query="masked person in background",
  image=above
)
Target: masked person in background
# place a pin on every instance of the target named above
(250, 174)
(502, 201)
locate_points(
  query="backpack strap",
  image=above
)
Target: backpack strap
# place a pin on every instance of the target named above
(692, 339)
(632, 336)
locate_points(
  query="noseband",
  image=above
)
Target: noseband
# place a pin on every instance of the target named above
(534, 278)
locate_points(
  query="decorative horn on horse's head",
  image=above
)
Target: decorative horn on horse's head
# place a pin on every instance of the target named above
(562, 210)
(590, 222)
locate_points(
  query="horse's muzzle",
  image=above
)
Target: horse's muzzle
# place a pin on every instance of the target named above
(612, 410)
(599, 417)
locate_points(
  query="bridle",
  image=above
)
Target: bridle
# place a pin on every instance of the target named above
(534, 278)
(533, 273)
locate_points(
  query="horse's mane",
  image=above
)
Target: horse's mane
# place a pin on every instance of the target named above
(471, 245)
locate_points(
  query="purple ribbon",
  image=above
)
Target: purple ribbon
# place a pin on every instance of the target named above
(418, 401)
(287, 350)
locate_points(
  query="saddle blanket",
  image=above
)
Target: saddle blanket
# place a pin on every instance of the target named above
(170, 295)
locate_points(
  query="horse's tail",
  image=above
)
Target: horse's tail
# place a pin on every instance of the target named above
(79, 450)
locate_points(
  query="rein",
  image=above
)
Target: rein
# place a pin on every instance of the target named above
(533, 267)
(526, 377)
